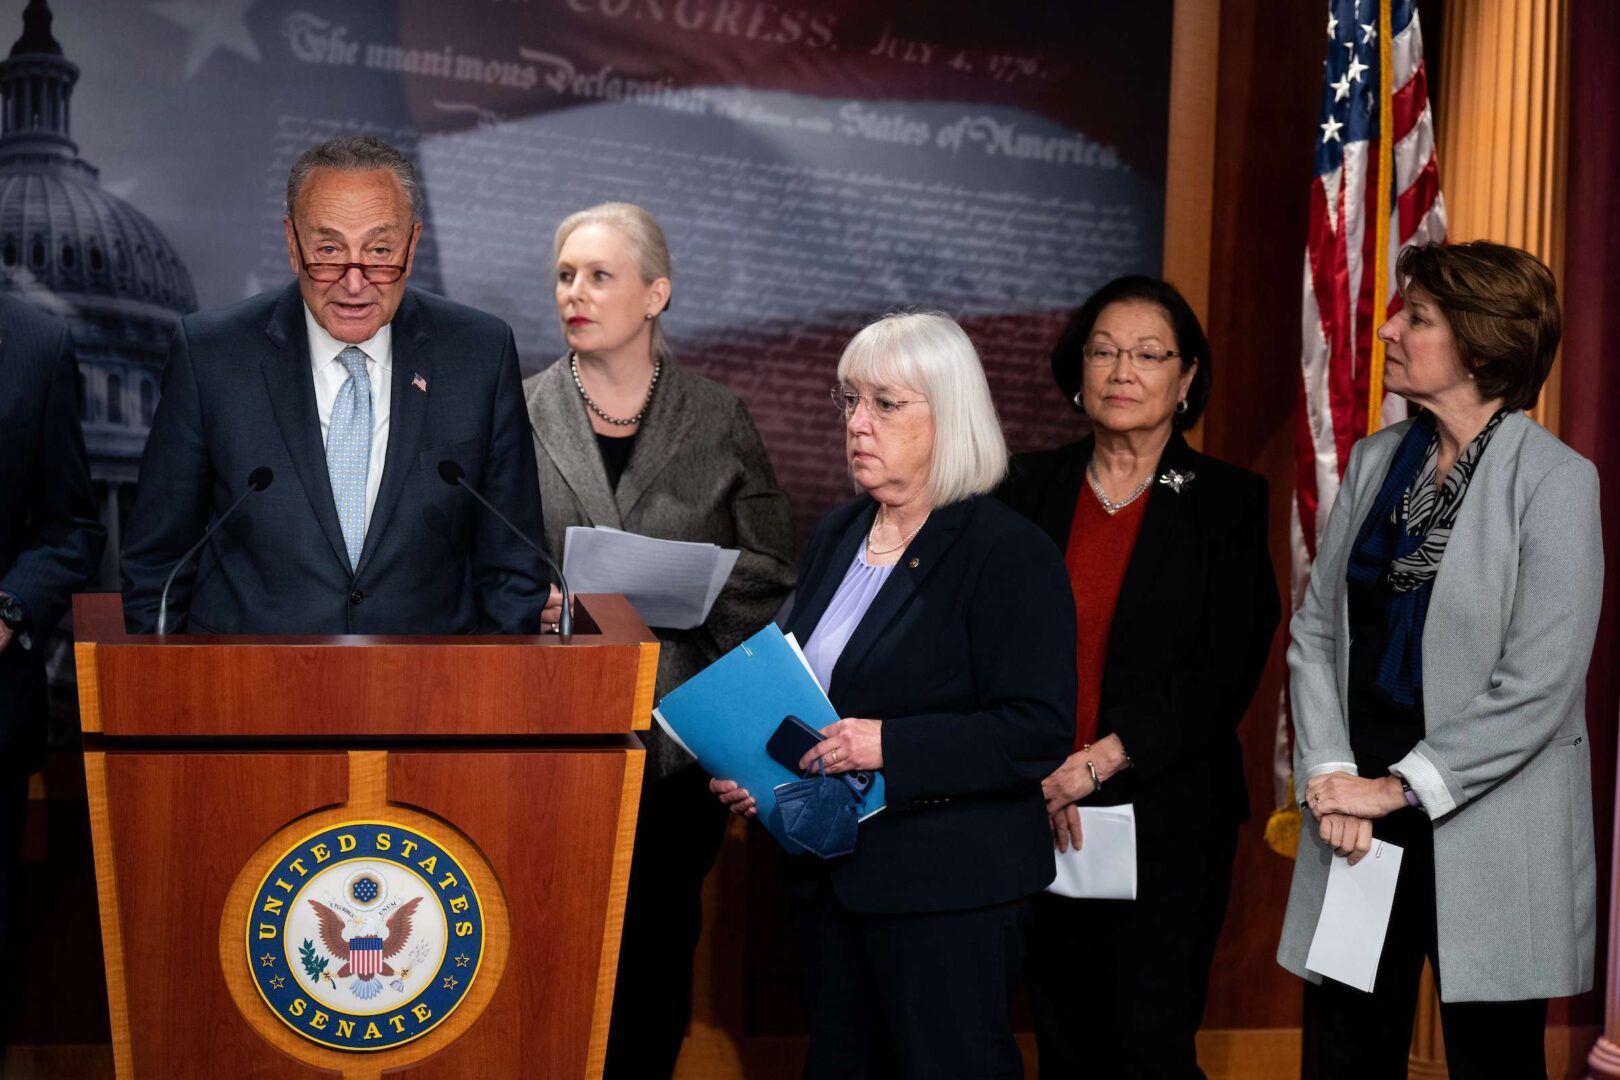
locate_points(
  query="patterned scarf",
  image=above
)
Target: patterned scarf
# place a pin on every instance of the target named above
(1403, 539)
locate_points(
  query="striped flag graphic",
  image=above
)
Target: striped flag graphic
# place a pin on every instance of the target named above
(365, 955)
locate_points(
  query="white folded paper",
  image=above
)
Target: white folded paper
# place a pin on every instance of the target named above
(1104, 867)
(1350, 932)
(670, 583)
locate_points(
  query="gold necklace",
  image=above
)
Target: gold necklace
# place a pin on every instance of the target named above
(878, 520)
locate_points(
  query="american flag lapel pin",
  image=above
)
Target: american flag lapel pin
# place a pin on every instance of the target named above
(419, 382)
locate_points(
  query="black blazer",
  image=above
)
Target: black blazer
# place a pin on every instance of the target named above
(50, 540)
(1191, 630)
(967, 656)
(238, 393)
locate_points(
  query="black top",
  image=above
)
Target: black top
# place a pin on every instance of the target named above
(615, 451)
(1382, 731)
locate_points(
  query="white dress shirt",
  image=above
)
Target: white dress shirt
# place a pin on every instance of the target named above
(330, 375)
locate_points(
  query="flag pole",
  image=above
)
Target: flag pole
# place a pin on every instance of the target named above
(1386, 180)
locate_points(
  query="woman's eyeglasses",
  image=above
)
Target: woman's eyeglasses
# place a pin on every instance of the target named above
(879, 406)
(1142, 357)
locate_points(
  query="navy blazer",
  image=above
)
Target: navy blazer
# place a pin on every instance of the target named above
(967, 656)
(50, 539)
(1191, 631)
(238, 393)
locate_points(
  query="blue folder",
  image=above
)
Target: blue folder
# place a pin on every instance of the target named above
(725, 714)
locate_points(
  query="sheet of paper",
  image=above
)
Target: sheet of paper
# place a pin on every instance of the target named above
(1355, 917)
(724, 562)
(664, 724)
(1104, 867)
(803, 659)
(670, 583)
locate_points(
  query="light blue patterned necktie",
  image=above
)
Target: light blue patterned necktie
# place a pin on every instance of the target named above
(348, 450)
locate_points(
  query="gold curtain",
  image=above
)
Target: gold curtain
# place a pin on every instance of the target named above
(1501, 115)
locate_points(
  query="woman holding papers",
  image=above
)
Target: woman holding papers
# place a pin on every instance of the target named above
(626, 438)
(1438, 675)
(940, 624)
(1175, 605)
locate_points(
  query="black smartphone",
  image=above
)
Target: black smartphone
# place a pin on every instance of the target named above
(793, 738)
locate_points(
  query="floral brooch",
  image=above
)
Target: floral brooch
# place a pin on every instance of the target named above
(1175, 481)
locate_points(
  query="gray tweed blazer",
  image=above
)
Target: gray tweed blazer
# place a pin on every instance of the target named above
(1504, 767)
(698, 472)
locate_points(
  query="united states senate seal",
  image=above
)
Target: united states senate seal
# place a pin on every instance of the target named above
(365, 935)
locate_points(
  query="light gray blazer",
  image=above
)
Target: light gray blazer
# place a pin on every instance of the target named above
(697, 472)
(1504, 767)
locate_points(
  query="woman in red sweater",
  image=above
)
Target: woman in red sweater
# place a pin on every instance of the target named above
(1175, 605)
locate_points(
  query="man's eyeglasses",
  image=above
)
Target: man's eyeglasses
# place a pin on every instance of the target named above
(1142, 357)
(376, 273)
(880, 406)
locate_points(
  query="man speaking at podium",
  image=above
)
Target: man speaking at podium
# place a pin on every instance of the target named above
(325, 409)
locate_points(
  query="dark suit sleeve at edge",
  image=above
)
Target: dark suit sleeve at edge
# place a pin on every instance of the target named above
(1207, 695)
(1022, 642)
(65, 538)
(172, 499)
(509, 579)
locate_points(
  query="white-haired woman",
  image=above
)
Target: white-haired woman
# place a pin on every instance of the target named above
(627, 438)
(941, 625)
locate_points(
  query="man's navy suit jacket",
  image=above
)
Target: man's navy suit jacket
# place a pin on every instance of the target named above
(238, 393)
(50, 540)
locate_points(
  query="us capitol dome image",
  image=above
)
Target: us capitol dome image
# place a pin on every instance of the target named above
(76, 250)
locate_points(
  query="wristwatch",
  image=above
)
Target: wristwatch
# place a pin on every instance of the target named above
(11, 612)
(1412, 799)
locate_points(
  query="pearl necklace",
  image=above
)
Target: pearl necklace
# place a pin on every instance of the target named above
(1109, 506)
(878, 520)
(573, 366)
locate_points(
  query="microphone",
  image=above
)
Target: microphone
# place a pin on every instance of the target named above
(257, 480)
(454, 475)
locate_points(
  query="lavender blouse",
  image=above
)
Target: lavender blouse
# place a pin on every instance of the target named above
(844, 613)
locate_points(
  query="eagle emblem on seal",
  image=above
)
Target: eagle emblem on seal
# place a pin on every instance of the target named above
(374, 939)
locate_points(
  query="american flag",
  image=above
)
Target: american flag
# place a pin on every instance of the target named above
(1370, 198)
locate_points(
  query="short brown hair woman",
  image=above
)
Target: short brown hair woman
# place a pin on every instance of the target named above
(1438, 672)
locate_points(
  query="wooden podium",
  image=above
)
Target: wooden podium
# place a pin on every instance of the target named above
(367, 857)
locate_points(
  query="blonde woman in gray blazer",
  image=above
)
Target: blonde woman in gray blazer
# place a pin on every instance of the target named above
(625, 437)
(1438, 670)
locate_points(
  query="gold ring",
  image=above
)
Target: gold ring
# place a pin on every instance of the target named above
(835, 755)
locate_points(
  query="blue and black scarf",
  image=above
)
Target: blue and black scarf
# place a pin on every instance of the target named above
(1403, 539)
